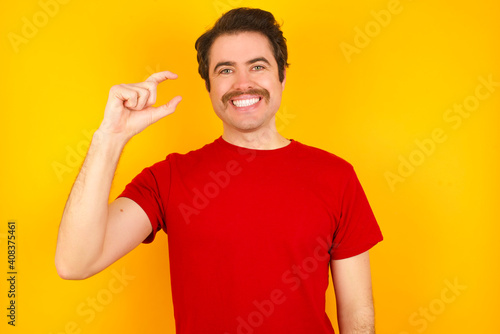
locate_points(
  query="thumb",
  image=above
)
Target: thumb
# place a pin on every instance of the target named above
(158, 113)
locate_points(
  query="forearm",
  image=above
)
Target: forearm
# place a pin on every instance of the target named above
(83, 224)
(359, 321)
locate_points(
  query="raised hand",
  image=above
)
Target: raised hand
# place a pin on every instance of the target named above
(130, 110)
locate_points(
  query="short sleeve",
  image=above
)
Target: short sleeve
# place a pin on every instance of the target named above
(149, 189)
(357, 230)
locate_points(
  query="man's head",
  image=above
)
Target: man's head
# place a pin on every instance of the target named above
(243, 20)
(243, 60)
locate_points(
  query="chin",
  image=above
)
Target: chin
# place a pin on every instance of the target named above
(246, 127)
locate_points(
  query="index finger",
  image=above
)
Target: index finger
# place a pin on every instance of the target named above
(161, 76)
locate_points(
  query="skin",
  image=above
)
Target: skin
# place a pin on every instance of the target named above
(93, 234)
(353, 292)
(239, 63)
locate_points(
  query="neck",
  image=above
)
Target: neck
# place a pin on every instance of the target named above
(263, 139)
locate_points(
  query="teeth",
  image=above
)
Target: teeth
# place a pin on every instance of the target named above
(246, 103)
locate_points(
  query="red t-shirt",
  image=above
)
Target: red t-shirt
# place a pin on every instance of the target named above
(251, 234)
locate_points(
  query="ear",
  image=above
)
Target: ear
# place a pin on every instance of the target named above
(284, 80)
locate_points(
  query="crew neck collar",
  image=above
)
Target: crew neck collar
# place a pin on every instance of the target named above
(241, 149)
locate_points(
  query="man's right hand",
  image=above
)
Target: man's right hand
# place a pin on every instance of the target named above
(92, 235)
(130, 110)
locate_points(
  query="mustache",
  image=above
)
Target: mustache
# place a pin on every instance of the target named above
(253, 91)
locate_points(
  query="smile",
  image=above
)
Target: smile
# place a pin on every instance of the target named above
(246, 102)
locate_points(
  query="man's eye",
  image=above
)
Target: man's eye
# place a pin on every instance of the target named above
(258, 67)
(225, 71)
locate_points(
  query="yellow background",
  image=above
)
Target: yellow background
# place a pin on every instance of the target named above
(440, 224)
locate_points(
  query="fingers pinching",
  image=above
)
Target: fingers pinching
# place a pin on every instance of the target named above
(144, 95)
(129, 96)
(166, 109)
(152, 82)
(161, 76)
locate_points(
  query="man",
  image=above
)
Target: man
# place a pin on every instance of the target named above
(254, 220)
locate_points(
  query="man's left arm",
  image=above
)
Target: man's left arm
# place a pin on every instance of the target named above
(353, 290)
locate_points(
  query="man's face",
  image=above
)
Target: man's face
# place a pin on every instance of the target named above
(245, 87)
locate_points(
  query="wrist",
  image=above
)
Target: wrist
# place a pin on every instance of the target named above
(109, 142)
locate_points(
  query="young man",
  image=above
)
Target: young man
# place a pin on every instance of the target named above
(254, 220)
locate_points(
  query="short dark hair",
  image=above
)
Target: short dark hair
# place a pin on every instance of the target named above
(242, 20)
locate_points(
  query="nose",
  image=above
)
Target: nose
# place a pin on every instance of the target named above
(243, 81)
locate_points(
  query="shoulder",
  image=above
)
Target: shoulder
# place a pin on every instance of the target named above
(321, 158)
(191, 158)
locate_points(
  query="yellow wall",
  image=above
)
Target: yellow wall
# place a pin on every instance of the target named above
(385, 99)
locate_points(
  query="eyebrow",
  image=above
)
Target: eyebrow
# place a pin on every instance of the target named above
(249, 62)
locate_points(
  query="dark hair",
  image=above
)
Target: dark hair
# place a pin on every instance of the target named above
(242, 20)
